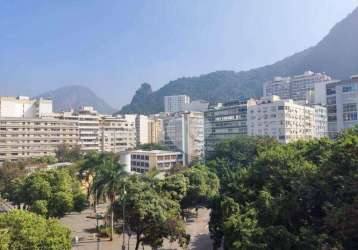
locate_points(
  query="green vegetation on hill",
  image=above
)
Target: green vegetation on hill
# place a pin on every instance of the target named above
(336, 54)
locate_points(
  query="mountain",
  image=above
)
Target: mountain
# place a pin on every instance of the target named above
(74, 96)
(336, 54)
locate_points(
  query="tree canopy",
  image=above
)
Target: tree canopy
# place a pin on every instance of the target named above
(20, 229)
(297, 196)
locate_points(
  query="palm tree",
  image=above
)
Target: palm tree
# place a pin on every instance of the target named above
(108, 180)
(88, 169)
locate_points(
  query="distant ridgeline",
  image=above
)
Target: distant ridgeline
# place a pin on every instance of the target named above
(336, 54)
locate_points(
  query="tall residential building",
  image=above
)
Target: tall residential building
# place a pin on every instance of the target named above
(141, 161)
(23, 106)
(89, 128)
(225, 121)
(342, 101)
(141, 126)
(155, 130)
(184, 132)
(117, 134)
(298, 88)
(175, 103)
(285, 120)
(22, 138)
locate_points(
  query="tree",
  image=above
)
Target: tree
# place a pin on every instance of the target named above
(68, 153)
(150, 214)
(10, 171)
(203, 186)
(301, 195)
(51, 193)
(26, 230)
(108, 181)
(152, 146)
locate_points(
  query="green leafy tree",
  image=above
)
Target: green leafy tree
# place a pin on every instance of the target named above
(151, 215)
(26, 230)
(203, 186)
(107, 182)
(68, 153)
(152, 146)
(50, 193)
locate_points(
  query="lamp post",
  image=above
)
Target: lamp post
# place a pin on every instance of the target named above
(123, 215)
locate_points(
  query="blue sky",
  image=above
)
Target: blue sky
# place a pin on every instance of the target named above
(112, 46)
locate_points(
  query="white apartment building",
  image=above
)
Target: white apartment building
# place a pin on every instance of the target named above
(22, 138)
(175, 103)
(117, 134)
(285, 120)
(342, 102)
(23, 106)
(141, 161)
(184, 132)
(303, 87)
(141, 126)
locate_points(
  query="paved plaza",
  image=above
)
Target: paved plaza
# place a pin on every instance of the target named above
(84, 229)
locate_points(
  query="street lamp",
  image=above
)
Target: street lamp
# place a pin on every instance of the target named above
(123, 215)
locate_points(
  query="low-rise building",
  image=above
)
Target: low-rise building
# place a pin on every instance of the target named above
(141, 161)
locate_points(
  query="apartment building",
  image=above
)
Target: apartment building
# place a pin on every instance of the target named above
(285, 120)
(175, 103)
(141, 161)
(155, 130)
(117, 134)
(184, 132)
(341, 102)
(225, 121)
(24, 106)
(300, 87)
(22, 138)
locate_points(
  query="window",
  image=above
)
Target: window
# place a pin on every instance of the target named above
(350, 112)
(349, 107)
(349, 87)
(331, 90)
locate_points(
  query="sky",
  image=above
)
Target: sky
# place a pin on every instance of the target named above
(112, 46)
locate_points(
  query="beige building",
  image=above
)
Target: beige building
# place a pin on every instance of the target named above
(117, 134)
(141, 161)
(285, 120)
(155, 130)
(34, 137)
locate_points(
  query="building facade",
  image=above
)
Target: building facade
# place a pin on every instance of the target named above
(25, 107)
(117, 134)
(184, 132)
(342, 101)
(285, 120)
(155, 130)
(141, 161)
(303, 87)
(175, 103)
(22, 138)
(225, 121)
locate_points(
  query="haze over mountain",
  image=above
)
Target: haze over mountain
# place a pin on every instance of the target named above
(336, 54)
(75, 96)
